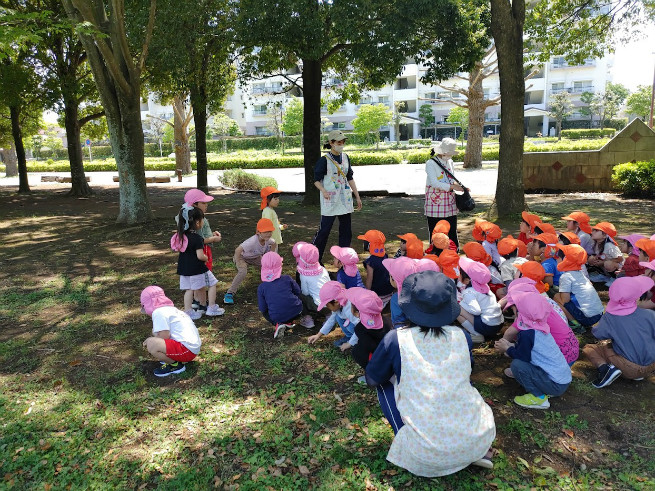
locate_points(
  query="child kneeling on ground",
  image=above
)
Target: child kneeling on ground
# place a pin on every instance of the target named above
(312, 277)
(278, 296)
(175, 339)
(333, 297)
(538, 364)
(631, 331)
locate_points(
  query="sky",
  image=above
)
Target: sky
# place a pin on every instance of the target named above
(634, 62)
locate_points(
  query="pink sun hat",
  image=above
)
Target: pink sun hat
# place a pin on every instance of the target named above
(632, 239)
(348, 258)
(478, 272)
(308, 264)
(518, 286)
(369, 306)
(648, 264)
(295, 250)
(196, 196)
(331, 290)
(625, 292)
(400, 268)
(426, 265)
(533, 310)
(271, 266)
(152, 298)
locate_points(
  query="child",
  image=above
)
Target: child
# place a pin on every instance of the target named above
(646, 249)
(333, 297)
(526, 227)
(544, 228)
(175, 340)
(577, 296)
(278, 296)
(377, 276)
(629, 246)
(578, 223)
(191, 266)
(537, 363)
(508, 248)
(487, 234)
(567, 238)
(631, 331)
(481, 315)
(559, 328)
(250, 251)
(270, 201)
(648, 299)
(403, 243)
(443, 227)
(548, 257)
(312, 278)
(544, 247)
(440, 242)
(449, 264)
(346, 259)
(476, 252)
(606, 258)
(370, 330)
(198, 199)
(399, 269)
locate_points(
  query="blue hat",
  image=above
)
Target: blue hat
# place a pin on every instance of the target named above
(429, 299)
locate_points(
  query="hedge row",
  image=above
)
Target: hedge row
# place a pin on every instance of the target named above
(589, 133)
(420, 141)
(635, 180)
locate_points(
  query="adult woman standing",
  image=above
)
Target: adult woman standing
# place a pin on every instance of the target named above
(440, 188)
(333, 177)
(441, 422)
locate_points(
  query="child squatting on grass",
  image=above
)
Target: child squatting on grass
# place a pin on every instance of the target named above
(175, 339)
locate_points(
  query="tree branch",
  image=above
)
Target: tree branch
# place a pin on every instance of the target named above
(336, 48)
(149, 29)
(118, 7)
(160, 119)
(90, 117)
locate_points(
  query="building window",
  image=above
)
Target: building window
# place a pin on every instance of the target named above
(557, 88)
(262, 131)
(338, 126)
(583, 86)
(559, 62)
(383, 99)
(259, 110)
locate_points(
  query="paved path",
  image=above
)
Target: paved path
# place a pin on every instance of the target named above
(400, 178)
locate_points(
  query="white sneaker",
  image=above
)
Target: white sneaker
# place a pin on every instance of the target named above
(477, 338)
(279, 330)
(361, 379)
(214, 310)
(306, 321)
(194, 314)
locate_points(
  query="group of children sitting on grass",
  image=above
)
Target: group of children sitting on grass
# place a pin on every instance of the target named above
(543, 283)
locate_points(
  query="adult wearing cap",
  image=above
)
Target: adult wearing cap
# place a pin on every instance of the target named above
(440, 188)
(333, 177)
(631, 331)
(422, 374)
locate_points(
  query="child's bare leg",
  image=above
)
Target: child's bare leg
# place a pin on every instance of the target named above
(188, 300)
(465, 316)
(558, 299)
(510, 334)
(201, 296)
(211, 293)
(157, 348)
(501, 293)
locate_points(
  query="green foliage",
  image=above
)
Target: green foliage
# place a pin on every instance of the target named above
(292, 121)
(635, 180)
(369, 119)
(223, 125)
(616, 123)
(420, 141)
(459, 115)
(426, 114)
(639, 102)
(589, 133)
(560, 106)
(242, 180)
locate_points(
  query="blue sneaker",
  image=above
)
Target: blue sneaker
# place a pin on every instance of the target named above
(341, 341)
(228, 298)
(169, 369)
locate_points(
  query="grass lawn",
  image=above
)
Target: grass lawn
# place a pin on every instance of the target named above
(80, 408)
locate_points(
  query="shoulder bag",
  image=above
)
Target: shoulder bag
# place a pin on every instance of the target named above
(464, 201)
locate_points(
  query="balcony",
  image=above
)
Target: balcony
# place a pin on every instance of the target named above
(266, 89)
(259, 112)
(582, 88)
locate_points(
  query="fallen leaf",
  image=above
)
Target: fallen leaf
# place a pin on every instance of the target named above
(325, 438)
(312, 417)
(303, 470)
(210, 451)
(75, 363)
(524, 462)
(568, 432)
(236, 477)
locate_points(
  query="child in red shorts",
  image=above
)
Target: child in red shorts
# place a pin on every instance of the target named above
(175, 339)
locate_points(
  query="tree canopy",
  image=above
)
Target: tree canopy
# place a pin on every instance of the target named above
(638, 103)
(369, 119)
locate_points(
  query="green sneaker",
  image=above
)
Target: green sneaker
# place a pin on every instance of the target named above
(169, 369)
(532, 402)
(577, 328)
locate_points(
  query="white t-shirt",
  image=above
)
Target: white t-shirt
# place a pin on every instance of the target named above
(182, 328)
(507, 269)
(483, 304)
(311, 285)
(252, 248)
(575, 283)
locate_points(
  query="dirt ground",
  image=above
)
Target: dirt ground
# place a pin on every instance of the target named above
(47, 236)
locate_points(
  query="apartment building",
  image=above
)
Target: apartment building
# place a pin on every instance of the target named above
(256, 104)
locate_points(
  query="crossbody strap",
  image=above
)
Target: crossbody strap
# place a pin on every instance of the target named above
(339, 169)
(448, 173)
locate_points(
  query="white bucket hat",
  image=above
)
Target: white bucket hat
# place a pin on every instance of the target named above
(448, 146)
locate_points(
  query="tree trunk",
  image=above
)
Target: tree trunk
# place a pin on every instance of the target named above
(476, 106)
(507, 21)
(11, 161)
(199, 106)
(312, 77)
(79, 186)
(559, 129)
(23, 183)
(181, 137)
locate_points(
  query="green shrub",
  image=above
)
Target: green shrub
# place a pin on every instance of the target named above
(420, 141)
(617, 124)
(566, 145)
(100, 152)
(635, 179)
(589, 133)
(253, 143)
(242, 180)
(417, 156)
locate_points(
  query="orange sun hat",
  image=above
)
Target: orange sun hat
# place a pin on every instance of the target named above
(530, 219)
(507, 245)
(608, 228)
(414, 249)
(442, 226)
(535, 271)
(648, 246)
(449, 262)
(265, 193)
(376, 240)
(491, 231)
(571, 236)
(574, 257)
(546, 228)
(440, 240)
(406, 237)
(582, 219)
(475, 251)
